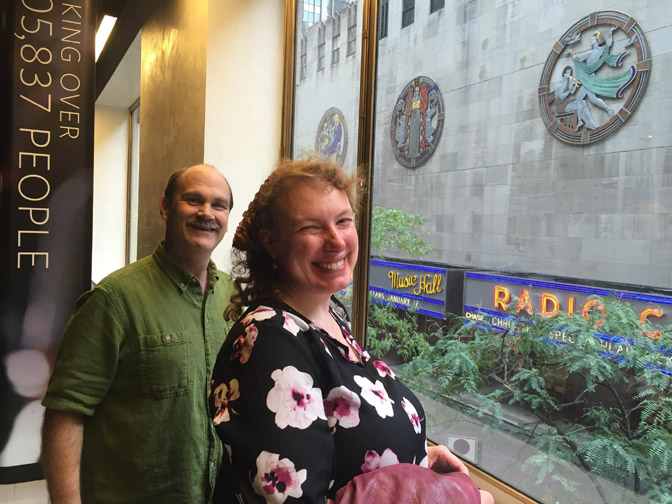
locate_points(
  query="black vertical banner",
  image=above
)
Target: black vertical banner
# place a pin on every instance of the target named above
(46, 185)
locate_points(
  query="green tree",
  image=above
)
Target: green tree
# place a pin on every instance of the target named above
(600, 395)
(388, 328)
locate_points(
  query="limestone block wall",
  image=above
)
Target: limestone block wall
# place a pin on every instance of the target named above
(500, 191)
(336, 85)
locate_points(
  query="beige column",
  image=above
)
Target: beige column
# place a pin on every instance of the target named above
(172, 105)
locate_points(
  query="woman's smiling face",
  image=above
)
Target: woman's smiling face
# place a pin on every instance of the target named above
(314, 241)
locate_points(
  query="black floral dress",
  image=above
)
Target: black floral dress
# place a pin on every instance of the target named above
(298, 418)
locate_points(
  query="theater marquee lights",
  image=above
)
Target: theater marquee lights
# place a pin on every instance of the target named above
(495, 295)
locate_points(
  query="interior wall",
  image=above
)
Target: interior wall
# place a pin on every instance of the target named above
(172, 105)
(110, 160)
(242, 138)
(243, 110)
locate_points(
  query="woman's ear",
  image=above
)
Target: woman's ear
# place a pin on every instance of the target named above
(268, 241)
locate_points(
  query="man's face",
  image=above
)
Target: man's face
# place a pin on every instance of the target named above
(198, 215)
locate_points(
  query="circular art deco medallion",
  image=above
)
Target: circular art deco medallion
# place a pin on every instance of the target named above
(417, 122)
(331, 140)
(594, 77)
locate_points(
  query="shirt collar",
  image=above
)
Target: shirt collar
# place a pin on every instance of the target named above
(180, 277)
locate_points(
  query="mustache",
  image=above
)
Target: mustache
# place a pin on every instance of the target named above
(209, 224)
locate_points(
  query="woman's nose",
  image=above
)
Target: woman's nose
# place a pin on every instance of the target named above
(334, 238)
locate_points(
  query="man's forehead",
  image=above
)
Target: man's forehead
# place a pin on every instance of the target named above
(200, 175)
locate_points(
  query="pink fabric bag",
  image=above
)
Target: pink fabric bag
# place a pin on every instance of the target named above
(409, 484)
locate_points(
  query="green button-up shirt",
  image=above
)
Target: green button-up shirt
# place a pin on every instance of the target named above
(136, 359)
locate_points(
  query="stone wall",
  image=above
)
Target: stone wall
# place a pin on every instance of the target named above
(500, 191)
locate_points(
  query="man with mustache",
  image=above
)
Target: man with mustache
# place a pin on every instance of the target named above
(126, 417)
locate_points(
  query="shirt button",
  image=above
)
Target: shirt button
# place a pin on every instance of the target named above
(182, 285)
(166, 337)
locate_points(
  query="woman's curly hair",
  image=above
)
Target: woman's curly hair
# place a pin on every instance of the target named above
(253, 271)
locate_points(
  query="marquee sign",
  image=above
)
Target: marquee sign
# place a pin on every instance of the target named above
(594, 77)
(412, 287)
(489, 299)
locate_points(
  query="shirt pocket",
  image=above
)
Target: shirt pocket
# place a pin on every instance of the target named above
(165, 364)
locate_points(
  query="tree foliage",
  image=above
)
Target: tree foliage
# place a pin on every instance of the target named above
(395, 230)
(600, 395)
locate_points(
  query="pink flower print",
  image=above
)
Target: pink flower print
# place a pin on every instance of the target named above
(383, 369)
(260, 313)
(293, 323)
(342, 406)
(277, 478)
(294, 400)
(223, 396)
(376, 395)
(242, 347)
(373, 461)
(412, 414)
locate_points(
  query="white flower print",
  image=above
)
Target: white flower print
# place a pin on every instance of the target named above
(242, 347)
(293, 323)
(373, 461)
(376, 395)
(260, 313)
(383, 369)
(277, 478)
(223, 396)
(412, 414)
(342, 406)
(294, 400)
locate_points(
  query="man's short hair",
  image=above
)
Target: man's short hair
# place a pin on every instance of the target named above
(171, 186)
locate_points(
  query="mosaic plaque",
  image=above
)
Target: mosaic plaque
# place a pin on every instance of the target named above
(594, 77)
(331, 139)
(417, 122)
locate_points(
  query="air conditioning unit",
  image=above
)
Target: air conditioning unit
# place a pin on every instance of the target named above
(467, 448)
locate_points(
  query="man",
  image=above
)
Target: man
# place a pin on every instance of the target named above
(126, 417)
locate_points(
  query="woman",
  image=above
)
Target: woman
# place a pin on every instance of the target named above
(299, 406)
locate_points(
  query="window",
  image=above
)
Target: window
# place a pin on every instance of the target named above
(133, 183)
(326, 110)
(304, 58)
(478, 208)
(335, 39)
(408, 13)
(334, 49)
(352, 30)
(435, 5)
(383, 18)
(320, 47)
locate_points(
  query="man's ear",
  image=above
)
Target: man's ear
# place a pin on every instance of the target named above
(267, 241)
(163, 207)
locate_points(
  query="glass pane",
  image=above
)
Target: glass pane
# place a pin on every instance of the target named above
(326, 90)
(521, 234)
(133, 191)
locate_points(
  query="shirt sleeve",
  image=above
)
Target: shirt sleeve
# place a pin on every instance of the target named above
(87, 357)
(268, 409)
